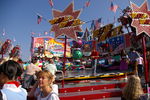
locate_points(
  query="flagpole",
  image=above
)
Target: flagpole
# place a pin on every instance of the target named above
(129, 2)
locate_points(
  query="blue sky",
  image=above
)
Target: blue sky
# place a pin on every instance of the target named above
(19, 19)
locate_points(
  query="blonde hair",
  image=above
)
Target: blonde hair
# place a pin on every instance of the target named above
(133, 89)
(46, 73)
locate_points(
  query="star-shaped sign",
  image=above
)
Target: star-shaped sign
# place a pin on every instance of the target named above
(140, 28)
(68, 31)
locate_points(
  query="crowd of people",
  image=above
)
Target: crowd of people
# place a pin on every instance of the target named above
(16, 80)
(34, 82)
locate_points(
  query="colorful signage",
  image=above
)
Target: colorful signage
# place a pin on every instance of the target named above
(50, 45)
(140, 18)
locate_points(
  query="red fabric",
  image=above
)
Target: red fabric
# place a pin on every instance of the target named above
(95, 54)
(14, 82)
(127, 40)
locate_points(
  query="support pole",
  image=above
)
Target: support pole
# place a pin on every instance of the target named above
(145, 60)
(2, 53)
(94, 56)
(64, 62)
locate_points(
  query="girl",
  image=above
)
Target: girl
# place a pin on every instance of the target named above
(44, 89)
(133, 89)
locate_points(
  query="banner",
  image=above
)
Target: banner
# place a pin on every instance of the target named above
(117, 43)
(50, 45)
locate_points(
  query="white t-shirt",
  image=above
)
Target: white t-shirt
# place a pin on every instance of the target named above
(52, 96)
(139, 60)
(12, 92)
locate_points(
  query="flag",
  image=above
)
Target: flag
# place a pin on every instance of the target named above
(86, 35)
(51, 3)
(39, 19)
(92, 25)
(87, 3)
(113, 7)
(97, 23)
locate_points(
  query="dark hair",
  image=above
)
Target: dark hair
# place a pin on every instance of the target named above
(11, 69)
(132, 49)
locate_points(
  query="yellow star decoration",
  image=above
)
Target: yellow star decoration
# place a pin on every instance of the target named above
(69, 31)
(141, 18)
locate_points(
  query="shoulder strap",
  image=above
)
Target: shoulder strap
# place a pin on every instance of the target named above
(1, 96)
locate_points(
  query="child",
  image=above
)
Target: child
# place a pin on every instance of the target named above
(11, 89)
(44, 89)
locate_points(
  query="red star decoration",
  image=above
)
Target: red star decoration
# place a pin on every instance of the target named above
(135, 22)
(68, 31)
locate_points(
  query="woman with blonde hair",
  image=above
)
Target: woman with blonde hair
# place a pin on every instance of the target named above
(44, 89)
(133, 89)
